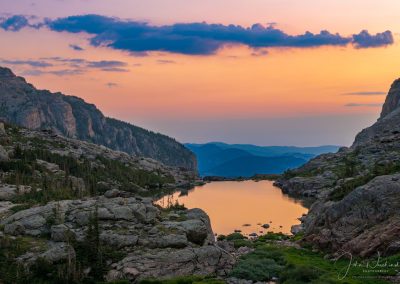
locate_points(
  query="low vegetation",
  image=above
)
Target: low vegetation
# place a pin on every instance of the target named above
(352, 182)
(74, 178)
(271, 260)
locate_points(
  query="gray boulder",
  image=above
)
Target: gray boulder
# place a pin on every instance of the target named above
(364, 222)
(167, 263)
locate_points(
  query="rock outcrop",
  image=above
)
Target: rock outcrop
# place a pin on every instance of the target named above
(154, 244)
(365, 222)
(356, 190)
(22, 104)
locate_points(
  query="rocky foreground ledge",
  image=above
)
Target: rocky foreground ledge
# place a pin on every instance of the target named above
(151, 242)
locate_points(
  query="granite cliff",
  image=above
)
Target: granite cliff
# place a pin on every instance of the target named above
(356, 190)
(22, 104)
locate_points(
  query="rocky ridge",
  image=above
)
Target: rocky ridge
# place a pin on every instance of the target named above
(24, 105)
(356, 190)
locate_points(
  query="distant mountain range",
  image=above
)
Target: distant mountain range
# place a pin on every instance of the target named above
(245, 160)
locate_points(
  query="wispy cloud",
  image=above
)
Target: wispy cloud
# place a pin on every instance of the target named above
(108, 65)
(192, 38)
(165, 61)
(61, 72)
(103, 65)
(111, 85)
(76, 47)
(367, 93)
(259, 52)
(363, 105)
(32, 63)
(61, 66)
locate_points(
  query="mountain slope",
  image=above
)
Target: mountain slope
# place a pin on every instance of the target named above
(22, 104)
(237, 160)
(357, 190)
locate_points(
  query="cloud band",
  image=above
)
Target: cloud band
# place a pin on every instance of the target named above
(191, 38)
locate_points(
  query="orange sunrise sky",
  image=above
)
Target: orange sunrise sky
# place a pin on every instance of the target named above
(234, 85)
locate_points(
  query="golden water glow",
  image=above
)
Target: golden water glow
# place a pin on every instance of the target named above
(231, 205)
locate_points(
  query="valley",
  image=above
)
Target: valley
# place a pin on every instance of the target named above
(74, 211)
(245, 161)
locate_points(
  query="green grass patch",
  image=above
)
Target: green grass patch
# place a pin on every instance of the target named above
(292, 265)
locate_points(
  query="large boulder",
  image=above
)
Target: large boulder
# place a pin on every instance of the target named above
(157, 244)
(167, 263)
(364, 222)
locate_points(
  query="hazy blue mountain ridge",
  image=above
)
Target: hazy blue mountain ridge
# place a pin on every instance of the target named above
(245, 160)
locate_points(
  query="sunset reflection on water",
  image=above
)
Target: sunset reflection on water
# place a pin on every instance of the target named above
(231, 205)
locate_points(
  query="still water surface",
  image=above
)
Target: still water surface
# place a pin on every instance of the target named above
(242, 206)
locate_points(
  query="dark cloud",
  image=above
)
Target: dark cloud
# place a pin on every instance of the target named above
(363, 104)
(17, 22)
(364, 93)
(76, 47)
(14, 23)
(191, 38)
(195, 38)
(32, 63)
(364, 39)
